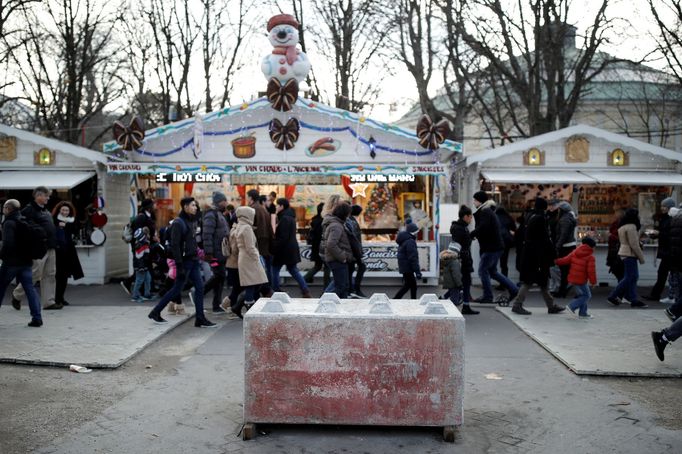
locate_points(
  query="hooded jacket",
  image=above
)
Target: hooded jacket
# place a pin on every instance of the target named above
(565, 234)
(251, 271)
(285, 249)
(451, 270)
(487, 231)
(582, 265)
(408, 255)
(335, 245)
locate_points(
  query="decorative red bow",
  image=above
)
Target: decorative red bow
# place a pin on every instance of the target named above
(430, 135)
(282, 97)
(284, 136)
(129, 138)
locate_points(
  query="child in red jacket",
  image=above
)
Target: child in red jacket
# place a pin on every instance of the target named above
(581, 274)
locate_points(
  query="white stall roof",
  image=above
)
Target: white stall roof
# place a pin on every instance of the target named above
(18, 179)
(649, 178)
(536, 176)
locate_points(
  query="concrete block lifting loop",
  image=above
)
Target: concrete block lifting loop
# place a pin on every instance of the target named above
(434, 307)
(281, 297)
(381, 308)
(333, 297)
(379, 298)
(327, 307)
(427, 298)
(273, 306)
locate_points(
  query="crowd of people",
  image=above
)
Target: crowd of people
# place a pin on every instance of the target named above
(247, 248)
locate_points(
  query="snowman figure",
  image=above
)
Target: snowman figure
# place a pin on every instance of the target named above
(285, 62)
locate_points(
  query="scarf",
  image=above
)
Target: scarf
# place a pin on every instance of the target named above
(67, 220)
(290, 51)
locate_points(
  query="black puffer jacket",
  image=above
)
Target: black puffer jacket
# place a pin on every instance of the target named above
(408, 254)
(460, 234)
(12, 254)
(487, 231)
(43, 218)
(285, 249)
(183, 239)
(676, 241)
(664, 237)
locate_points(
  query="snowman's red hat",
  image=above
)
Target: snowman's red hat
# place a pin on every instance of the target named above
(282, 19)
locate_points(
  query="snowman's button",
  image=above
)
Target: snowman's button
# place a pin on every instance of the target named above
(282, 61)
(282, 71)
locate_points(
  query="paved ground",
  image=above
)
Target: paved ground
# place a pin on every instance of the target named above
(183, 394)
(617, 341)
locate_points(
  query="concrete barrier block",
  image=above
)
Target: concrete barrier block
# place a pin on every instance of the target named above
(354, 366)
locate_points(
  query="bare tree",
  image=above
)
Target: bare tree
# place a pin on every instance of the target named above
(668, 17)
(354, 40)
(10, 36)
(67, 66)
(240, 25)
(534, 69)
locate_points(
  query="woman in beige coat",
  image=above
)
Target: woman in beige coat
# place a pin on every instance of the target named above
(251, 272)
(631, 253)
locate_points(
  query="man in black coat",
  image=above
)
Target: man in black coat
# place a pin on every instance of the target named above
(16, 260)
(489, 236)
(537, 258)
(663, 252)
(214, 229)
(285, 249)
(459, 230)
(43, 269)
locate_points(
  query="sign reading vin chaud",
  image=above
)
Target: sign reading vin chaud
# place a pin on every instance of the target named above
(379, 258)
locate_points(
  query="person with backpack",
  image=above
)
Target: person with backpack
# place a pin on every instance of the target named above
(214, 230)
(184, 251)
(16, 259)
(44, 243)
(68, 264)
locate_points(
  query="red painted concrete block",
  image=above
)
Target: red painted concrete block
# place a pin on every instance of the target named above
(354, 362)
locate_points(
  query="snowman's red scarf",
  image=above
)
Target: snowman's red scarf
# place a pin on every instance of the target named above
(290, 51)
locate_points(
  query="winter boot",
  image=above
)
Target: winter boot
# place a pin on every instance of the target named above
(519, 309)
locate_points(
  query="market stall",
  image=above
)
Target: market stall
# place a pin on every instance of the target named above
(597, 171)
(74, 174)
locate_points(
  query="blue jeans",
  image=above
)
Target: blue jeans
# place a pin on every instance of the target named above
(25, 277)
(582, 296)
(455, 295)
(466, 287)
(293, 271)
(340, 272)
(142, 277)
(250, 292)
(628, 285)
(193, 273)
(487, 269)
(267, 265)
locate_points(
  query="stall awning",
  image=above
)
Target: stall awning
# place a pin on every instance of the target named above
(644, 178)
(537, 176)
(19, 179)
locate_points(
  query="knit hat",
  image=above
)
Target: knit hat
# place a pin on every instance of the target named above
(218, 197)
(588, 240)
(540, 204)
(454, 246)
(481, 196)
(668, 202)
(565, 206)
(139, 234)
(412, 228)
(282, 19)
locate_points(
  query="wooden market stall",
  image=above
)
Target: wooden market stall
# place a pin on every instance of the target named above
(597, 171)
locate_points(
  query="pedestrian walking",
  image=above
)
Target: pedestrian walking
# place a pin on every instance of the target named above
(355, 237)
(508, 229)
(675, 311)
(451, 276)
(44, 269)
(264, 235)
(613, 260)
(184, 251)
(251, 271)
(232, 301)
(662, 338)
(582, 273)
(313, 239)
(408, 260)
(631, 252)
(67, 263)
(459, 230)
(489, 236)
(214, 229)
(142, 266)
(565, 243)
(538, 257)
(329, 205)
(336, 247)
(663, 252)
(285, 249)
(16, 259)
